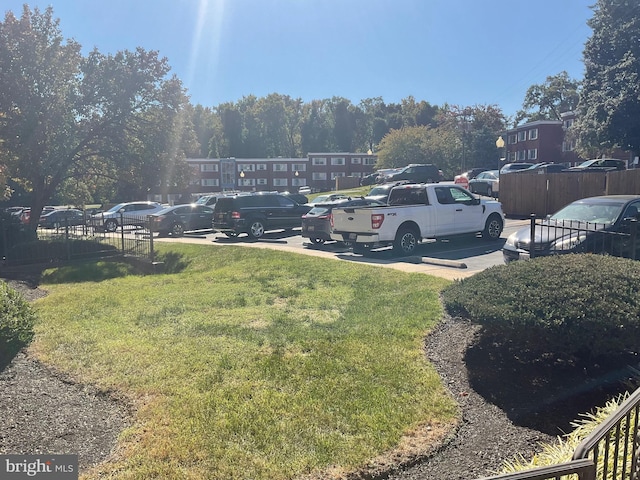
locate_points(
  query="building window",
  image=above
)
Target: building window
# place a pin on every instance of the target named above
(522, 136)
(208, 167)
(261, 181)
(319, 176)
(356, 161)
(298, 182)
(512, 139)
(533, 154)
(245, 167)
(568, 145)
(319, 161)
(280, 182)
(299, 167)
(337, 161)
(533, 134)
(370, 161)
(568, 123)
(522, 155)
(280, 167)
(246, 182)
(210, 182)
(337, 174)
(261, 167)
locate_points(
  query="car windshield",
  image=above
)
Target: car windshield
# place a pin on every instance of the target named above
(379, 191)
(606, 213)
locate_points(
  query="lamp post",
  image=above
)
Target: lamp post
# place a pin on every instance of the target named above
(241, 179)
(500, 146)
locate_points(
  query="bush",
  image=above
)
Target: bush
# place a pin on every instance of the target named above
(579, 305)
(16, 323)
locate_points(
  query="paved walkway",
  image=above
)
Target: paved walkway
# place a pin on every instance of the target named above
(448, 269)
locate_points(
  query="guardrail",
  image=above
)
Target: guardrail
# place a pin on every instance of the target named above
(610, 452)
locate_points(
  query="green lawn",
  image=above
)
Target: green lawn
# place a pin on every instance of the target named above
(249, 363)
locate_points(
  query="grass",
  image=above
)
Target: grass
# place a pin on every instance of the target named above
(249, 363)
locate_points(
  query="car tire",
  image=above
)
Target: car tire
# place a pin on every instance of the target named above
(177, 230)
(406, 241)
(489, 191)
(256, 228)
(231, 234)
(493, 227)
(111, 225)
(317, 240)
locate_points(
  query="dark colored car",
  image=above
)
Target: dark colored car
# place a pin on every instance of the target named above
(543, 168)
(316, 225)
(590, 225)
(255, 214)
(486, 183)
(605, 164)
(181, 218)
(297, 197)
(417, 173)
(62, 218)
(514, 167)
(381, 192)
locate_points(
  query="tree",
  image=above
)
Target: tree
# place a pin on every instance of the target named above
(548, 101)
(64, 116)
(609, 106)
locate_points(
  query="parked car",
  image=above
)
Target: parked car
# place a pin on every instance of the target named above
(255, 214)
(486, 183)
(464, 177)
(210, 200)
(62, 218)
(297, 197)
(543, 168)
(177, 220)
(584, 226)
(316, 224)
(513, 167)
(601, 164)
(416, 173)
(381, 192)
(305, 190)
(129, 213)
(327, 198)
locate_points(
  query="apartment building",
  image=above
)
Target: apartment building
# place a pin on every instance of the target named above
(318, 170)
(542, 141)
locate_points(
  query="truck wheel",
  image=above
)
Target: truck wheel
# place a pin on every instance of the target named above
(406, 241)
(493, 227)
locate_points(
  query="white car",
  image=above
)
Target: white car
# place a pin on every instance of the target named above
(131, 213)
(306, 190)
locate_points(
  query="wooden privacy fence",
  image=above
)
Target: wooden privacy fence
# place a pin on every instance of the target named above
(523, 194)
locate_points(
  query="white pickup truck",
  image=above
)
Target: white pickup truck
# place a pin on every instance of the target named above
(416, 212)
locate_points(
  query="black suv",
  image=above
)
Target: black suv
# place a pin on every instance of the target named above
(417, 173)
(254, 214)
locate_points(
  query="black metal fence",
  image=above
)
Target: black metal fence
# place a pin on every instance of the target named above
(610, 452)
(77, 239)
(571, 236)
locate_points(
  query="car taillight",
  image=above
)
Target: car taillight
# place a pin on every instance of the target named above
(376, 220)
(331, 219)
(235, 215)
(325, 217)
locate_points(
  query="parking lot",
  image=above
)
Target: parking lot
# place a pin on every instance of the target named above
(452, 259)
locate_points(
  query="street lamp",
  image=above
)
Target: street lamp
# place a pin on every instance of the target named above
(500, 146)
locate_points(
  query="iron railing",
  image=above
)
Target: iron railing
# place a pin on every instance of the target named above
(66, 242)
(571, 236)
(610, 452)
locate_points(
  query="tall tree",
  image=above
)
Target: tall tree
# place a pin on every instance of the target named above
(558, 94)
(609, 108)
(66, 116)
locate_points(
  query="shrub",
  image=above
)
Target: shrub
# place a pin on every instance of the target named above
(580, 305)
(16, 323)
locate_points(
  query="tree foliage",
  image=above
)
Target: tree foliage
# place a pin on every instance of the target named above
(66, 118)
(609, 107)
(548, 101)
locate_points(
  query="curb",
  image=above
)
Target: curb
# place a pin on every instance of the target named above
(436, 261)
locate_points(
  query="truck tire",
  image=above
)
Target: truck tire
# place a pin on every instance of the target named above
(406, 241)
(493, 227)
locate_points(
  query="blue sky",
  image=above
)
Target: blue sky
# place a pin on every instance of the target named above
(461, 52)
